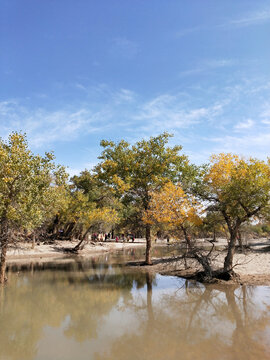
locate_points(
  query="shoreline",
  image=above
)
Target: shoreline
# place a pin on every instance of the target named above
(56, 251)
(252, 267)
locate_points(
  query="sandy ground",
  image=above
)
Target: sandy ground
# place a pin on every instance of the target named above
(24, 252)
(253, 266)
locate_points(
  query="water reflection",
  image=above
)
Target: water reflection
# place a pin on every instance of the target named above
(97, 310)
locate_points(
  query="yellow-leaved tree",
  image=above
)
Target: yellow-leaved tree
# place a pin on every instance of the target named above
(179, 211)
(172, 206)
(239, 189)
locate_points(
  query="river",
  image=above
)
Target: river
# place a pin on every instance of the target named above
(98, 309)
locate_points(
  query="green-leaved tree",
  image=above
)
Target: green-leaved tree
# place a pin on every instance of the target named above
(133, 172)
(31, 189)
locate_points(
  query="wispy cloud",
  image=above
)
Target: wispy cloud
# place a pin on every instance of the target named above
(265, 114)
(255, 18)
(124, 47)
(124, 95)
(233, 118)
(254, 145)
(247, 124)
(187, 31)
(208, 64)
(169, 112)
(46, 127)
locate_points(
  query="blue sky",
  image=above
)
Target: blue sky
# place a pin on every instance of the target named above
(73, 72)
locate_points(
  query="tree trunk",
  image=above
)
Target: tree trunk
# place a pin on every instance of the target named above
(202, 259)
(214, 235)
(69, 229)
(228, 262)
(79, 245)
(240, 242)
(148, 245)
(33, 240)
(4, 245)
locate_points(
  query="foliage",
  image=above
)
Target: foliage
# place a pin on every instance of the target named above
(133, 172)
(236, 187)
(31, 186)
(89, 205)
(31, 189)
(172, 206)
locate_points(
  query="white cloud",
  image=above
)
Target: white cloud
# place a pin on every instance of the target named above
(255, 145)
(124, 96)
(265, 114)
(247, 124)
(168, 112)
(204, 120)
(217, 63)
(255, 18)
(45, 127)
(208, 64)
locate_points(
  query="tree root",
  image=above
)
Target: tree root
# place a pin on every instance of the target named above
(220, 274)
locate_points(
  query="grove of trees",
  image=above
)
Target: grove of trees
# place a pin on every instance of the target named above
(139, 188)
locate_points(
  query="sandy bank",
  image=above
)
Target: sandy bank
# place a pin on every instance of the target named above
(24, 252)
(253, 266)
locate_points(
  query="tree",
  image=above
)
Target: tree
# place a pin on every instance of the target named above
(133, 172)
(172, 206)
(90, 205)
(239, 189)
(31, 188)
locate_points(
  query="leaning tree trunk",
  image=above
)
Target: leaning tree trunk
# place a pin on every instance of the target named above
(148, 245)
(228, 262)
(81, 244)
(202, 259)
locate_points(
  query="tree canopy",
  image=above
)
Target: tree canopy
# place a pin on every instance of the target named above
(31, 189)
(133, 172)
(238, 188)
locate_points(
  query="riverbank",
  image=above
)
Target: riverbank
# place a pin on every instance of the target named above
(23, 252)
(253, 266)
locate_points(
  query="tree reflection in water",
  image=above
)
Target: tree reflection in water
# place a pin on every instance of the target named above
(212, 322)
(87, 301)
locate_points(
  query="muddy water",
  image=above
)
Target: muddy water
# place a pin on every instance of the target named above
(98, 309)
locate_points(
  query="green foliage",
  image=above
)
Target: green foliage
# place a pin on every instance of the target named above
(31, 186)
(89, 205)
(133, 171)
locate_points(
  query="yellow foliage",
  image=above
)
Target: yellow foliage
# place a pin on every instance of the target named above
(173, 207)
(239, 187)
